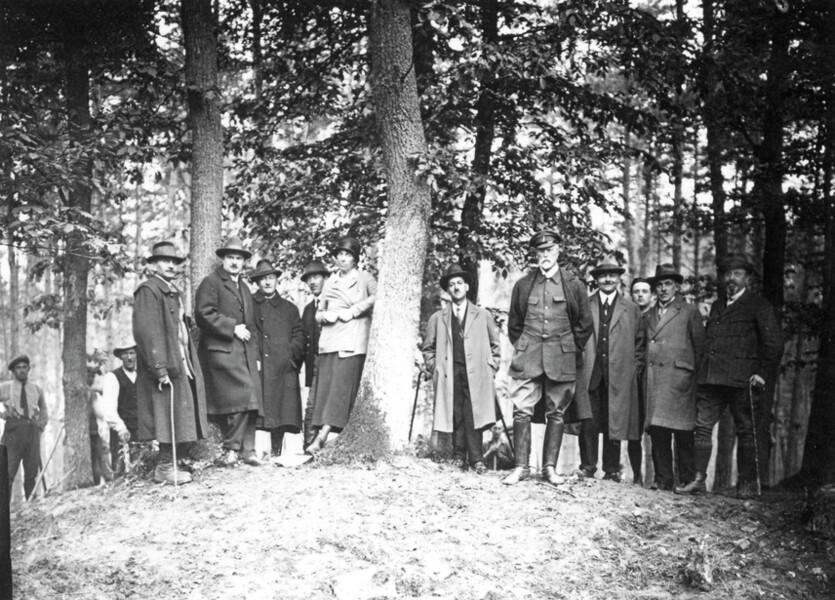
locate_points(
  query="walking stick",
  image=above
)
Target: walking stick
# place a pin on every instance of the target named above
(756, 446)
(506, 432)
(48, 460)
(173, 434)
(414, 404)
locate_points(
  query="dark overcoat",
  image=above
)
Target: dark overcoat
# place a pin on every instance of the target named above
(579, 316)
(229, 364)
(311, 335)
(675, 346)
(627, 347)
(482, 348)
(157, 329)
(281, 350)
(743, 339)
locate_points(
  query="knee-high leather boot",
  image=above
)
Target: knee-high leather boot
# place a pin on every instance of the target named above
(522, 448)
(551, 451)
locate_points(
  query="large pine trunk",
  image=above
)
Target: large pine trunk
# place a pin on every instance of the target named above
(203, 98)
(77, 463)
(386, 387)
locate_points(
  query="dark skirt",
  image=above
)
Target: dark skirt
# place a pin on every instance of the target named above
(335, 388)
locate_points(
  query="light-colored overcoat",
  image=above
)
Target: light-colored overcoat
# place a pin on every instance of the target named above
(229, 364)
(675, 345)
(157, 326)
(627, 347)
(483, 354)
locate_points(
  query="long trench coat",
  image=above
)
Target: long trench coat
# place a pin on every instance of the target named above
(483, 354)
(627, 347)
(157, 329)
(281, 345)
(229, 364)
(675, 346)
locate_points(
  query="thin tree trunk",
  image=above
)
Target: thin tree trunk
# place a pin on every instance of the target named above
(629, 223)
(203, 98)
(678, 160)
(77, 465)
(469, 248)
(646, 238)
(388, 374)
(697, 239)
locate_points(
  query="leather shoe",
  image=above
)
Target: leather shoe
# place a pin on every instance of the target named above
(612, 477)
(697, 486)
(549, 475)
(584, 473)
(516, 475)
(662, 486)
(458, 463)
(252, 460)
(746, 490)
(230, 458)
(480, 468)
(164, 473)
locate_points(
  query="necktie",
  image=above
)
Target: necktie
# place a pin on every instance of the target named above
(24, 404)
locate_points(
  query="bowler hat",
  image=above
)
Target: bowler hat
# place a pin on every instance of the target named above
(736, 261)
(545, 239)
(455, 270)
(665, 271)
(126, 343)
(262, 269)
(21, 358)
(607, 266)
(165, 250)
(348, 244)
(233, 244)
(314, 268)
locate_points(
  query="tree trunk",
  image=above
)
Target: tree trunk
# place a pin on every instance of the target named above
(203, 98)
(646, 238)
(697, 238)
(629, 224)
(678, 158)
(77, 465)
(389, 368)
(715, 139)
(469, 247)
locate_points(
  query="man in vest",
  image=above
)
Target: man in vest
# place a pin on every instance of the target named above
(117, 405)
(548, 324)
(314, 276)
(23, 406)
(462, 352)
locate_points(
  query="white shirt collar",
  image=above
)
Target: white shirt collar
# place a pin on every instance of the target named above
(550, 272)
(736, 296)
(608, 298)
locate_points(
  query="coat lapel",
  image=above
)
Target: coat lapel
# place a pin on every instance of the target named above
(617, 311)
(594, 305)
(671, 312)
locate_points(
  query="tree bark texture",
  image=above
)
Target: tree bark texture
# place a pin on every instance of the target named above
(77, 464)
(485, 132)
(203, 98)
(386, 386)
(629, 224)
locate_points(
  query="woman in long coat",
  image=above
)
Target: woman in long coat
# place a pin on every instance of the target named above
(345, 314)
(281, 344)
(166, 356)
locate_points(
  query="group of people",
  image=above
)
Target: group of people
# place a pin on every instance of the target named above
(617, 366)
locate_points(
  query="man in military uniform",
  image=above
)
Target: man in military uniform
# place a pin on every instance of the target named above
(744, 345)
(548, 324)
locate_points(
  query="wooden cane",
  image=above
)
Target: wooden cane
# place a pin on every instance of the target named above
(48, 460)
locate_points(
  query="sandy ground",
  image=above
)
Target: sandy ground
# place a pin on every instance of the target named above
(409, 529)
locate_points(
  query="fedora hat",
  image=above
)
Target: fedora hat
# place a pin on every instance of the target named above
(348, 244)
(545, 239)
(165, 250)
(314, 268)
(455, 270)
(736, 261)
(21, 358)
(607, 266)
(126, 343)
(665, 271)
(262, 269)
(233, 244)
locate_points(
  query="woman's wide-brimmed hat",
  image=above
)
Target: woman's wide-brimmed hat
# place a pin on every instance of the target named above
(455, 270)
(665, 271)
(233, 244)
(164, 249)
(262, 269)
(607, 266)
(314, 268)
(348, 244)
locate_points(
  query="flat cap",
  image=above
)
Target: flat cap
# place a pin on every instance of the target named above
(21, 358)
